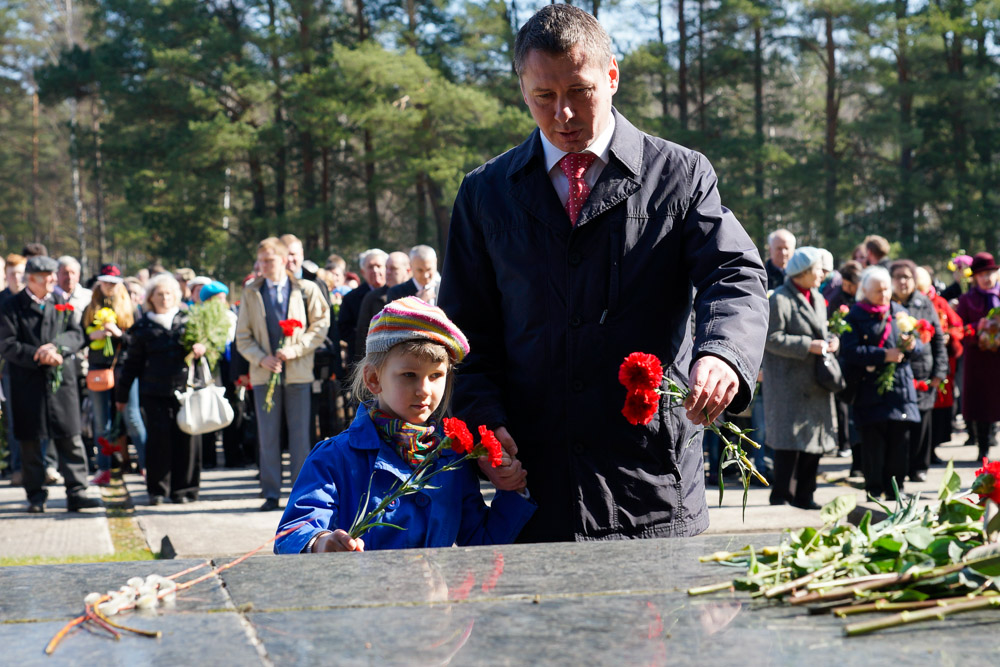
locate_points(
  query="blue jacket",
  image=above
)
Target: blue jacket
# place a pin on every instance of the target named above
(551, 310)
(859, 351)
(336, 475)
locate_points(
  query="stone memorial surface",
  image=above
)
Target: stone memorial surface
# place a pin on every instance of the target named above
(587, 603)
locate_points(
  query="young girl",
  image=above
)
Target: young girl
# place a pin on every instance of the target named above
(411, 352)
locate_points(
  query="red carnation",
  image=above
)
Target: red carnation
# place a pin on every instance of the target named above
(921, 385)
(641, 406)
(461, 439)
(987, 483)
(492, 445)
(926, 330)
(288, 327)
(640, 371)
(61, 307)
(107, 449)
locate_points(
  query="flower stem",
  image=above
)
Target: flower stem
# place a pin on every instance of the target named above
(907, 617)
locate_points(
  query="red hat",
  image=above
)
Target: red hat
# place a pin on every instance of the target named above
(983, 261)
(110, 273)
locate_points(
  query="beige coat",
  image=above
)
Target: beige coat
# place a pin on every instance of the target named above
(305, 304)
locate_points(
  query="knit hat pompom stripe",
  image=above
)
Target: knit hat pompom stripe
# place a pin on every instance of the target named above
(412, 318)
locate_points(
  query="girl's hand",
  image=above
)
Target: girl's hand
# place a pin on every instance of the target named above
(338, 540)
(198, 350)
(98, 334)
(113, 329)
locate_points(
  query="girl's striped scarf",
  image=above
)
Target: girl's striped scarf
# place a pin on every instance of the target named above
(411, 441)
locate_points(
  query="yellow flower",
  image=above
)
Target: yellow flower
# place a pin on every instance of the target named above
(105, 316)
(968, 272)
(905, 322)
(951, 265)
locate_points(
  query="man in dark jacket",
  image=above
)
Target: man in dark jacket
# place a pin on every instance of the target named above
(556, 272)
(38, 333)
(425, 281)
(373, 270)
(780, 248)
(930, 367)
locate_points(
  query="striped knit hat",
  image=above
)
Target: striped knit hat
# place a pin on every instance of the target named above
(411, 318)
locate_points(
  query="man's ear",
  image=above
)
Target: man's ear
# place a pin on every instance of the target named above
(614, 75)
(370, 375)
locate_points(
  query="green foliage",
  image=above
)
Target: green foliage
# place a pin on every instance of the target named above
(208, 324)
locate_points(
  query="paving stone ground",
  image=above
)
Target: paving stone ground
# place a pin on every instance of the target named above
(226, 521)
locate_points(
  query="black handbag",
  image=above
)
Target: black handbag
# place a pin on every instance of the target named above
(828, 373)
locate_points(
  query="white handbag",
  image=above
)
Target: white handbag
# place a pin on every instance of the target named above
(203, 410)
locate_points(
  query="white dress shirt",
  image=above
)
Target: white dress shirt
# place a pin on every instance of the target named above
(599, 147)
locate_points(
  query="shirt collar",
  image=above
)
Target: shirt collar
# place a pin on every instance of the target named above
(599, 146)
(40, 302)
(281, 283)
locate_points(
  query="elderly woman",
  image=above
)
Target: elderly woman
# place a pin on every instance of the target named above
(930, 367)
(980, 398)
(156, 357)
(798, 411)
(883, 413)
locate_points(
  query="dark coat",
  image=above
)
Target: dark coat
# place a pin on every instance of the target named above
(155, 356)
(860, 354)
(371, 305)
(775, 276)
(790, 375)
(839, 298)
(409, 288)
(347, 318)
(980, 398)
(551, 311)
(932, 362)
(24, 327)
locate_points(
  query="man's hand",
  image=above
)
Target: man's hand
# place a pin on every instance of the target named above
(282, 354)
(272, 364)
(834, 344)
(43, 351)
(818, 347)
(509, 476)
(338, 540)
(714, 385)
(893, 355)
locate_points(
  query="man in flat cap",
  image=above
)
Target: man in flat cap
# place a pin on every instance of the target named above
(37, 334)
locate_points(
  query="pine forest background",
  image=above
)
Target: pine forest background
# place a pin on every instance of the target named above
(186, 130)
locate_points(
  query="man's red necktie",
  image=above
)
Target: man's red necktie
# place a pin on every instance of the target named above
(575, 165)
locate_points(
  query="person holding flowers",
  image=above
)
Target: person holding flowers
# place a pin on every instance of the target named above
(875, 353)
(930, 366)
(156, 357)
(980, 395)
(106, 319)
(799, 413)
(397, 436)
(281, 322)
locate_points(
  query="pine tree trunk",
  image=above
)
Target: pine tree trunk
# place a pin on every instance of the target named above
(664, 87)
(281, 156)
(830, 149)
(81, 213)
(325, 197)
(906, 205)
(442, 216)
(421, 194)
(682, 73)
(102, 241)
(702, 118)
(374, 230)
(34, 167)
(758, 126)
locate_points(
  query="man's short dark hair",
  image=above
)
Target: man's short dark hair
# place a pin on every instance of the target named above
(556, 29)
(35, 250)
(851, 271)
(877, 245)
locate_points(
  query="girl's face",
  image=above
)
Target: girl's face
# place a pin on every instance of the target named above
(986, 279)
(878, 293)
(163, 299)
(408, 387)
(107, 289)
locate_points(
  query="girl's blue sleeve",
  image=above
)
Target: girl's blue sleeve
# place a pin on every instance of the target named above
(498, 524)
(313, 502)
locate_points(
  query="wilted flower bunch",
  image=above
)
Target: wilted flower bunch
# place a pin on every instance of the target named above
(137, 593)
(642, 375)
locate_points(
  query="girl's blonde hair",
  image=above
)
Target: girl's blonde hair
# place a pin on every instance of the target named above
(119, 301)
(423, 349)
(166, 281)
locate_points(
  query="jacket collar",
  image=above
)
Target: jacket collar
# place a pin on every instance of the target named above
(530, 186)
(363, 435)
(260, 281)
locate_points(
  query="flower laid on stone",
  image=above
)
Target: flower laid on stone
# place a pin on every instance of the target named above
(147, 593)
(837, 324)
(288, 328)
(923, 562)
(458, 438)
(642, 375)
(987, 483)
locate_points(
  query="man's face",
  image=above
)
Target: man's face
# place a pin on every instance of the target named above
(375, 272)
(397, 269)
(296, 255)
(272, 265)
(15, 277)
(423, 270)
(41, 284)
(782, 248)
(69, 278)
(337, 274)
(569, 96)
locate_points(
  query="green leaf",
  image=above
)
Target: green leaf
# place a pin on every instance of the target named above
(838, 508)
(955, 551)
(950, 483)
(993, 526)
(919, 537)
(985, 559)
(384, 525)
(910, 595)
(865, 524)
(888, 543)
(961, 510)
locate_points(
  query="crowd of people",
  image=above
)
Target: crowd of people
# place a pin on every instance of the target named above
(121, 349)
(910, 353)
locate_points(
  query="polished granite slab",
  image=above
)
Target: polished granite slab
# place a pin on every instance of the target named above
(592, 603)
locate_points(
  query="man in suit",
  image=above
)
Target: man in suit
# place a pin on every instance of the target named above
(373, 271)
(425, 281)
(587, 242)
(38, 335)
